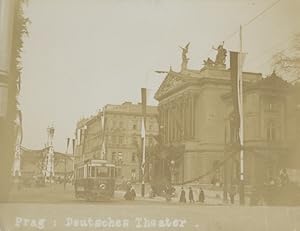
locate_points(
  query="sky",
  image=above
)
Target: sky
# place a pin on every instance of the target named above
(83, 54)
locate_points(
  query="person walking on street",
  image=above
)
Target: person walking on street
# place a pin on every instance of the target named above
(201, 196)
(191, 195)
(232, 194)
(182, 196)
(132, 193)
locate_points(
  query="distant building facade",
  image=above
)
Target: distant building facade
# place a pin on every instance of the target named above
(33, 163)
(117, 129)
(195, 107)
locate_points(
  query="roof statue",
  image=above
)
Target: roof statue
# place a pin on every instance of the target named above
(221, 55)
(208, 63)
(185, 59)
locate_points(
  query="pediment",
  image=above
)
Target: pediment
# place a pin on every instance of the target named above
(171, 82)
(273, 81)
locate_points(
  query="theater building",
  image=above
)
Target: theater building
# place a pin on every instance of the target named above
(195, 108)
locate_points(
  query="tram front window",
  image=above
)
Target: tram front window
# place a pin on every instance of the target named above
(101, 171)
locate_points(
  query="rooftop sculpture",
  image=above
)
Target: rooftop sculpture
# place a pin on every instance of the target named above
(185, 59)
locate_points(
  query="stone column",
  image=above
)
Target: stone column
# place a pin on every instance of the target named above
(182, 119)
(169, 124)
(186, 117)
(172, 123)
(190, 116)
(193, 115)
(178, 120)
(165, 125)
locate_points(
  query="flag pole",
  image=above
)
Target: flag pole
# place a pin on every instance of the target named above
(73, 153)
(103, 149)
(143, 135)
(240, 82)
(65, 163)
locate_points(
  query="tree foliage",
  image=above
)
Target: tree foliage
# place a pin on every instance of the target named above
(287, 62)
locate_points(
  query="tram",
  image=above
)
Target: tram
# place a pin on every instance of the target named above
(94, 180)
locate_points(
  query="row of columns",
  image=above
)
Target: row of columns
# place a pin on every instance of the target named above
(177, 118)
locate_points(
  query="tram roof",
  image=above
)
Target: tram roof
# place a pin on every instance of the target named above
(96, 163)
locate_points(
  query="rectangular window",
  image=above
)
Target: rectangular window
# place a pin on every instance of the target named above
(100, 171)
(133, 157)
(271, 130)
(119, 172)
(150, 141)
(112, 172)
(113, 157)
(133, 174)
(272, 106)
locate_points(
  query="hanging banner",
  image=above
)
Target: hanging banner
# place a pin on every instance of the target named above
(236, 63)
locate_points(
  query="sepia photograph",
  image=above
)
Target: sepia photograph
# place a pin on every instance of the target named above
(166, 115)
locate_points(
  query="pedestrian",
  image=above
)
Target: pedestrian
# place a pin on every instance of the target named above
(284, 177)
(201, 196)
(191, 195)
(182, 198)
(128, 194)
(232, 195)
(132, 193)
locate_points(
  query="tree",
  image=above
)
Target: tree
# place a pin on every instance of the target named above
(287, 62)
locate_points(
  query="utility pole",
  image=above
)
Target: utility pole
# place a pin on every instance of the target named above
(143, 136)
(73, 153)
(225, 189)
(65, 180)
(65, 162)
(240, 82)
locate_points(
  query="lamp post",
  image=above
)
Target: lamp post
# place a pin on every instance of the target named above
(172, 170)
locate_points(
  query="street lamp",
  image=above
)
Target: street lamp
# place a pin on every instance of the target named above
(172, 170)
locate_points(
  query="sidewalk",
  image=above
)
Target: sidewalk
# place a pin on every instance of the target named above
(212, 196)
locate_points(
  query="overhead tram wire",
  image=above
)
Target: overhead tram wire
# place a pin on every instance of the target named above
(249, 22)
(261, 13)
(254, 18)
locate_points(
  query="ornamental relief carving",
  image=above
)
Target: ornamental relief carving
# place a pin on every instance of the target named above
(171, 82)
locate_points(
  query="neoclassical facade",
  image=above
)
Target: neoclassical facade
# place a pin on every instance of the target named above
(192, 116)
(195, 109)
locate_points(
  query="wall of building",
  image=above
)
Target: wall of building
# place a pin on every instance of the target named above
(122, 137)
